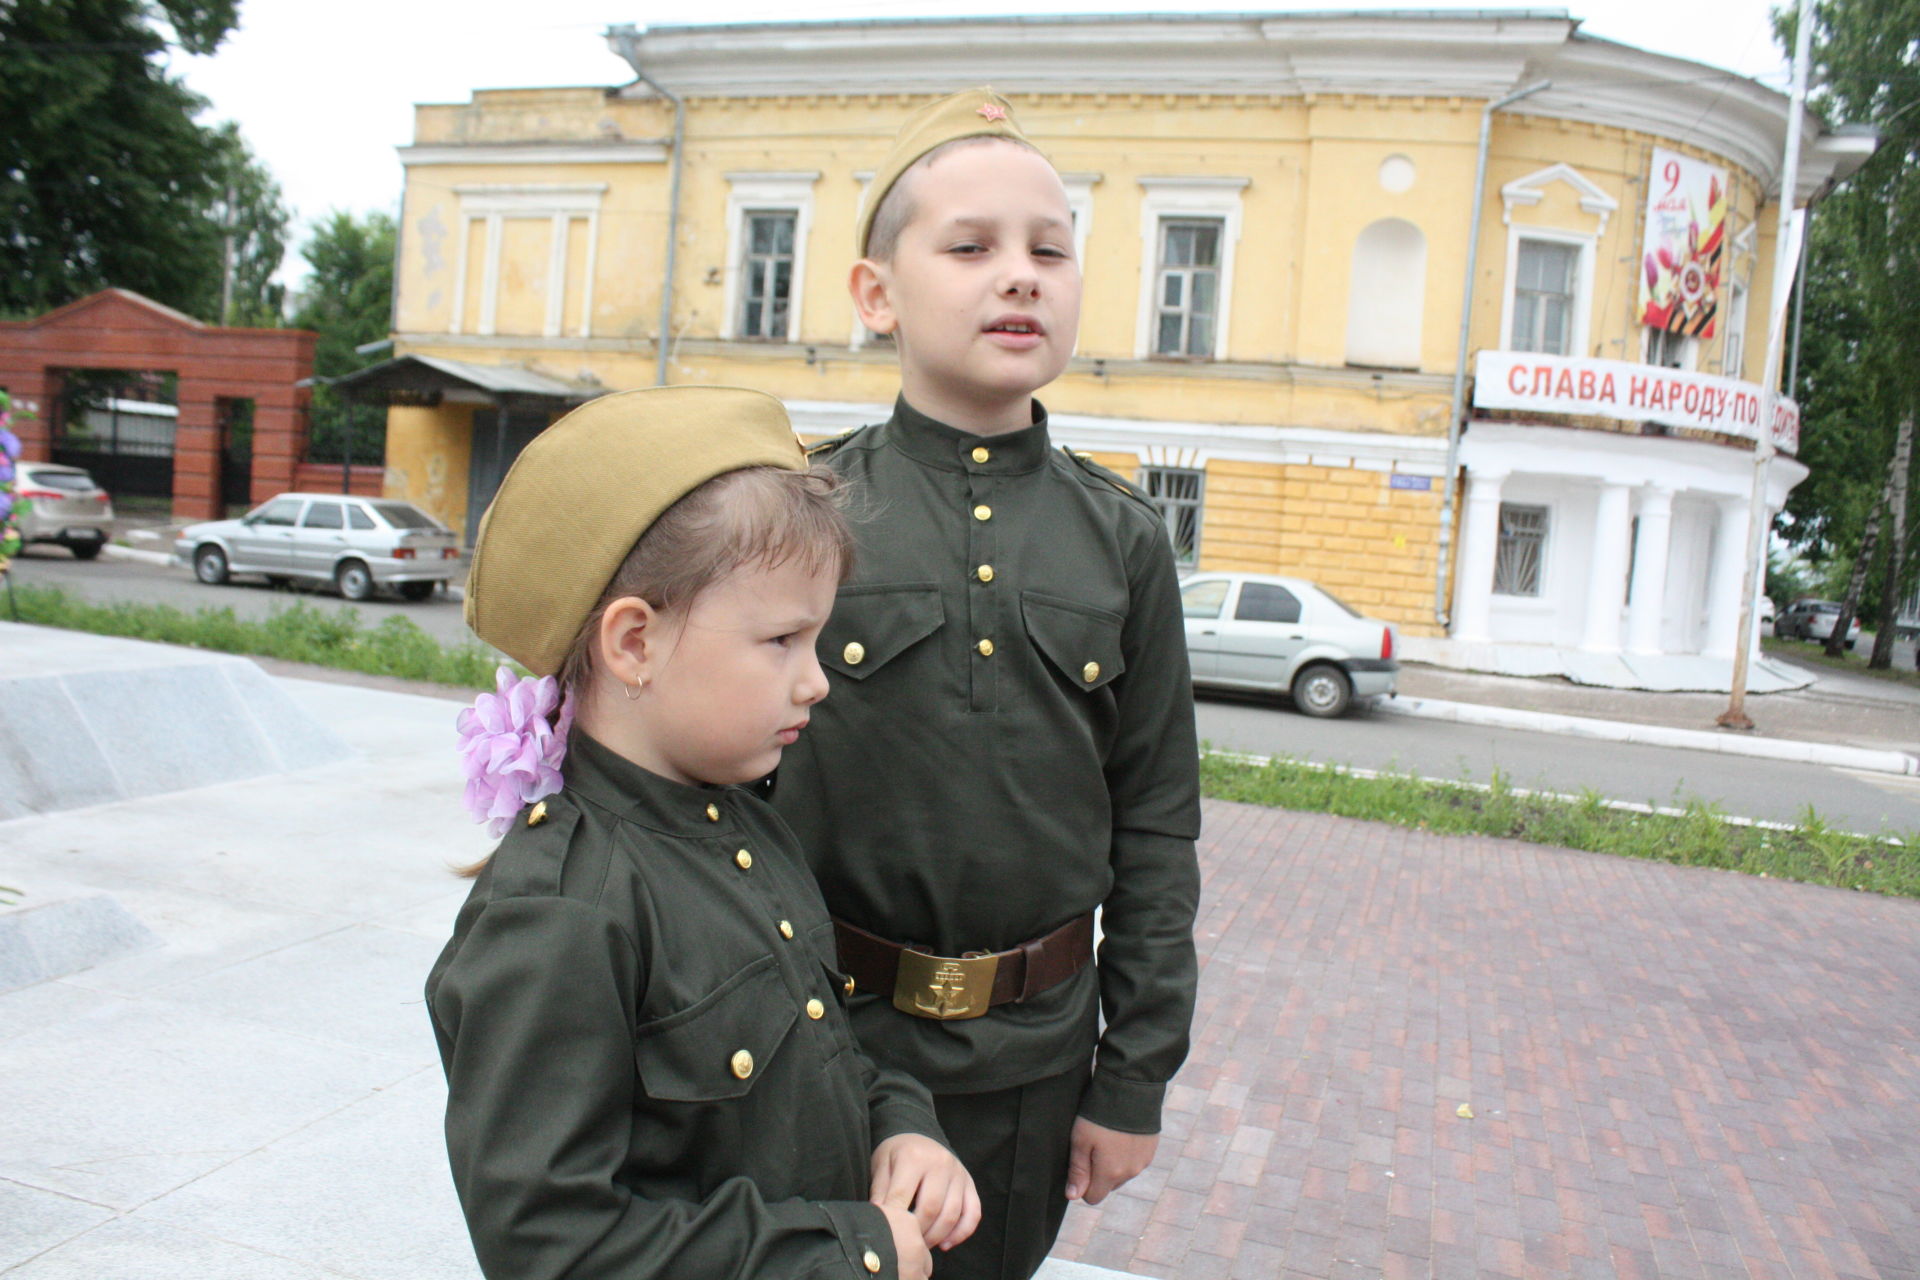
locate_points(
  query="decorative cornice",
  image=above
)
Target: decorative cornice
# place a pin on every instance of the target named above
(1471, 55)
(1531, 189)
(479, 153)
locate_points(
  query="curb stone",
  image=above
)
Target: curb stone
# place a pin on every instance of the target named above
(1723, 742)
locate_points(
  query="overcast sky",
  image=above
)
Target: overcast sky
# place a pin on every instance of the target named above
(325, 93)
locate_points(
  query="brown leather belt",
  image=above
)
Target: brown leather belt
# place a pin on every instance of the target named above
(953, 987)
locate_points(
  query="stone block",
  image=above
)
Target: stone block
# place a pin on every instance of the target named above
(50, 940)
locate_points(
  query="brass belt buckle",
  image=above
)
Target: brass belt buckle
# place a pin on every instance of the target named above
(929, 986)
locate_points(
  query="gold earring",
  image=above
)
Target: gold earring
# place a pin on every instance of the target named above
(639, 683)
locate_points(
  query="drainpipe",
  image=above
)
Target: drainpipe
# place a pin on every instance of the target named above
(625, 40)
(1441, 613)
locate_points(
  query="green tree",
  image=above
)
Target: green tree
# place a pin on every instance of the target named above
(251, 217)
(105, 178)
(348, 301)
(1859, 380)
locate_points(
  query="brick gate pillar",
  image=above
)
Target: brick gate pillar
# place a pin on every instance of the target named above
(196, 455)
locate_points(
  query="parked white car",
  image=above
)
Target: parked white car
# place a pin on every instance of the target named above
(1285, 635)
(63, 505)
(358, 544)
(1813, 620)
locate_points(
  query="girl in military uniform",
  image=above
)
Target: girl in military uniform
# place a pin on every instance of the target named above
(649, 1066)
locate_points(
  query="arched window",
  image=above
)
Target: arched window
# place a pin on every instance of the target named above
(1386, 295)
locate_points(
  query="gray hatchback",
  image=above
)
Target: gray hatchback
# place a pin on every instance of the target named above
(357, 544)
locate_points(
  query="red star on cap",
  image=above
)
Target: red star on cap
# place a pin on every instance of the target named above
(993, 111)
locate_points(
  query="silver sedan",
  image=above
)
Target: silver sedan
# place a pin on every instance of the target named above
(1272, 634)
(357, 544)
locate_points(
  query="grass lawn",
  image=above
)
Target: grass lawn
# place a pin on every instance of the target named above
(1855, 663)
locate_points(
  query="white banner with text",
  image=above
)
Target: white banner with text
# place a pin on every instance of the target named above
(1630, 393)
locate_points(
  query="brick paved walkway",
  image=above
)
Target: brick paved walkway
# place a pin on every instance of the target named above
(1673, 1072)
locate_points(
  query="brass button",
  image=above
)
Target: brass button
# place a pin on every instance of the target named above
(537, 814)
(745, 859)
(986, 648)
(743, 1064)
(816, 1010)
(871, 1261)
(980, 453)
(983, 512)
(848, 987)
(855, 653)
(984, 573)
(1090, 672)
(713, 813)
(786, 930)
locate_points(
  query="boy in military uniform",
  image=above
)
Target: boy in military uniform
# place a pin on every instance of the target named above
(1010, 745)
(649, 1067)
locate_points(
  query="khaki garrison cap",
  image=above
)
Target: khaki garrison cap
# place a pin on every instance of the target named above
(581, 494)
(977, 113)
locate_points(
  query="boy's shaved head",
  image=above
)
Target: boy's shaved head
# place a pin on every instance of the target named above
(897, 208)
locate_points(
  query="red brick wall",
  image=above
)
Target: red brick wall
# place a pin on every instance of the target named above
(116, 329)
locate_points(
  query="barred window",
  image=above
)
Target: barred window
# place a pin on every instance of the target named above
(1523, 538)
(1178, 492)
(1188, 304)
(768, 273)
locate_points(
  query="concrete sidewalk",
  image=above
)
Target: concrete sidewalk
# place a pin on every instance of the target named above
(246, 1088)
(1671, 1072)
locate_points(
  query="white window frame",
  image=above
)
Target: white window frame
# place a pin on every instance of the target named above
(1733, 351)
(1179, 198)
(764, 192)
(557, 204)
(1582, 307)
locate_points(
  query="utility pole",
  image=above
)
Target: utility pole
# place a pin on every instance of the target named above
(226, 270)
(1758, 520)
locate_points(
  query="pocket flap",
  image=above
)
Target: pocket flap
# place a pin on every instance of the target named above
(1079, 639)
(873, 625)
(718, 1047)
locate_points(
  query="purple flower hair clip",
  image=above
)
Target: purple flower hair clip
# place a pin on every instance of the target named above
(511, 747)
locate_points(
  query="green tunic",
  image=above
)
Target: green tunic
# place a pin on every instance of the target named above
(646, 1075)
(1009, 743)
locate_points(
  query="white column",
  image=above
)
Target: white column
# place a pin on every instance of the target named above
(1473, 589)
(1650, 551)
(1608, 586)
(1729, 564)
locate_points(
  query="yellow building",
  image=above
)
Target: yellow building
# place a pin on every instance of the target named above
(1273, 213)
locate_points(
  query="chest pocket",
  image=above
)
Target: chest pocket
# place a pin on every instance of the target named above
(873, 625)
(1082, 641)
(717, 1048)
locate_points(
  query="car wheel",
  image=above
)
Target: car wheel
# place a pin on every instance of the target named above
(1322, 690)
(355, 580)
(85, 550)
(416, 591)
(210, 565)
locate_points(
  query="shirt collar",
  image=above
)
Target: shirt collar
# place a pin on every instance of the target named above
(936, 444)
(598, 774)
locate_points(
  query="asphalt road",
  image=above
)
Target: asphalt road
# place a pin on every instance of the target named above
(1741, 785)
(1744, 785)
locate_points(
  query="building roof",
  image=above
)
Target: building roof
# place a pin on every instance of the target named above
(415, 374)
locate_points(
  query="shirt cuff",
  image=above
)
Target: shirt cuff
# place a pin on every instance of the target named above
(867, 1238)
(1127, 1106)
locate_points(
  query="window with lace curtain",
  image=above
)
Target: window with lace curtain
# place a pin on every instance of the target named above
(1523, 540)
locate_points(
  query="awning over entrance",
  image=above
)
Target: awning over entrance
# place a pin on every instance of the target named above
(413, 379)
